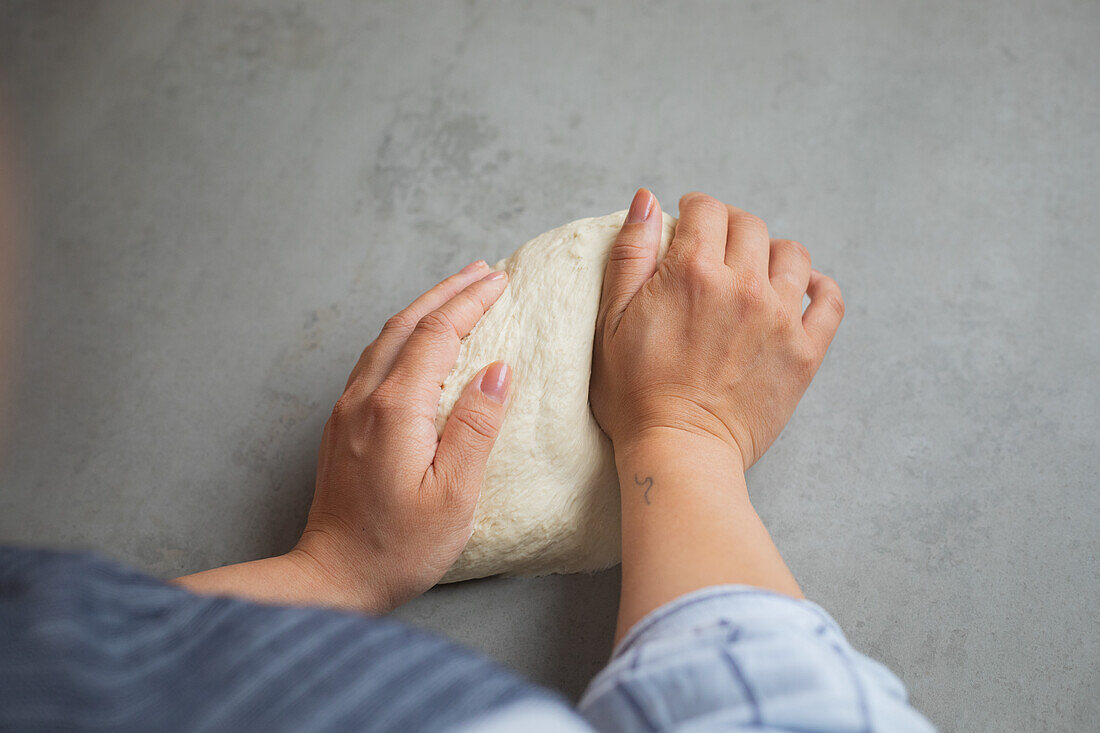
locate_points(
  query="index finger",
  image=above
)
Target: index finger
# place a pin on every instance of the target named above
(378, 358)
(701, 231)
(747, 241)
(826, 309)
(432, 348)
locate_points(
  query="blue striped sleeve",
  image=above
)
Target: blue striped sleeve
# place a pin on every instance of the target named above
(745, 659)
(88, 644)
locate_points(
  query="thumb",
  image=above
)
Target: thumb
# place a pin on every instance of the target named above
(472, 429)
(633, 257)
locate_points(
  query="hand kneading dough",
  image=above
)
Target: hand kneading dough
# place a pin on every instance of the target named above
(550, 498)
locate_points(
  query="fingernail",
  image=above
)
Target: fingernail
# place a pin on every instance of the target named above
(496, 275)
(472, 266)
(640, 207)
(494, 383)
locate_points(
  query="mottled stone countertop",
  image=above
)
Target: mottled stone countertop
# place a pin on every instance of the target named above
(229, 200)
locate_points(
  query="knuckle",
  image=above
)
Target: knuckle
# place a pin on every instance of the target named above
(629, 250)
(367, 359)
(836, 303)
(805, 359)
(750, 289)
(688, 239)
(747, 223)
(437, 324)
(784, 318)
(398, 323)
(342, 409)
(833, 297)
(705, 205)
(697, 270)
(379, 401)
(478, 421)
(795, 249)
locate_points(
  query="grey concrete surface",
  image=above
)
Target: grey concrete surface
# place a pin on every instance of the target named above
(228, 199)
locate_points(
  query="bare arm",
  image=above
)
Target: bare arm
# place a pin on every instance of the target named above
(293, 579)
(697, 366)
(688, 524)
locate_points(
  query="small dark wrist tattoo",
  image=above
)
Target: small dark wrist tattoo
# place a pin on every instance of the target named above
(647, 482)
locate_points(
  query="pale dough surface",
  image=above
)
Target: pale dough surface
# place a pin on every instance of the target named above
(550, 498)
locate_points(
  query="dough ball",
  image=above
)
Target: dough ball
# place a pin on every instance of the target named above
(550, 498)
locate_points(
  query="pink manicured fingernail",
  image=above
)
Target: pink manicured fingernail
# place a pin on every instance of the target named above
(640, 207)
(496, 275)
(472, 266)
(494, 383)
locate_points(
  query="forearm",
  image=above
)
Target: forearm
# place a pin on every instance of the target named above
(294, 579)
(688, 523)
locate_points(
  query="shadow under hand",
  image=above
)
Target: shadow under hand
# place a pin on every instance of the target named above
(555, 630)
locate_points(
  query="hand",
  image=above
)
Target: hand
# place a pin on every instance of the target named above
(393, 505)
(713, 342)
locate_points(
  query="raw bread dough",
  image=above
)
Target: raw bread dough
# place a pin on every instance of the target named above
(550, 498)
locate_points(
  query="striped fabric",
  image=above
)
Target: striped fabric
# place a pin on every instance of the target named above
(736, 658)
(88, 644)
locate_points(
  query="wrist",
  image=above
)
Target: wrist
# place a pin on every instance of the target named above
(697, 473)
(332, 577)
(687, 522)
(675, 444)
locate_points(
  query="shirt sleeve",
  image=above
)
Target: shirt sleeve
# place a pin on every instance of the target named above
(745, 659)
(90, 645)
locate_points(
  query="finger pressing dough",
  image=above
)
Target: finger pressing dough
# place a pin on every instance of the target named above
(550, 498)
